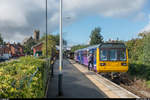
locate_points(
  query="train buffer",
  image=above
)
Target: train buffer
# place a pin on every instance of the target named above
(78, 82)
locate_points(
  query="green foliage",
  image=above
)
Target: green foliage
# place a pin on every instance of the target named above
(139, 70)
(135, 48)
(27, 47)
(139, 57)
(1, 39)
(96, 37)
(139, 49)
(51, 43)
(76, 47)
(15, 78)
(115, 41)
(56, 38)
(146, 50)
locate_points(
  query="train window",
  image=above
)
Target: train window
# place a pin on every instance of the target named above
(122, 54)
(103, 55)
(112, 54)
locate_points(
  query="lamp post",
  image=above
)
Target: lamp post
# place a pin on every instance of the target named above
(60, 92)
(46, 30)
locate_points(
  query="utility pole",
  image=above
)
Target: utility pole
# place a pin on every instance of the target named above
(60, 92)
(46, 30)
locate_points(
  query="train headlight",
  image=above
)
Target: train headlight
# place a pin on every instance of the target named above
(102, 64)
(124, 64)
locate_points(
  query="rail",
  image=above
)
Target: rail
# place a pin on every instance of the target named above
(48, 72)
(24, 79)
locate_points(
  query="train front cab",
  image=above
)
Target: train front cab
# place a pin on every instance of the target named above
(111, 66)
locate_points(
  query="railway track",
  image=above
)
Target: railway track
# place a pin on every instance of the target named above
(121, 79)
(131, 85)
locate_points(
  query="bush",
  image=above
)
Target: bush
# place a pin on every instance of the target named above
(16, 80)
(139, 70)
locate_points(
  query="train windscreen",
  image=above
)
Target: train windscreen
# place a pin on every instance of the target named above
(113, 54)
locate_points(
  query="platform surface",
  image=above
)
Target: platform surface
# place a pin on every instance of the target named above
(75, 84)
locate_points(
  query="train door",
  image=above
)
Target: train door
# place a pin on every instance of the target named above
(94, 53)
(80, 57)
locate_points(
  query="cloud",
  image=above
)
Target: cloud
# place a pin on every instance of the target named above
(147, 27)
(18, 18)
(140, 16)
(104, 7)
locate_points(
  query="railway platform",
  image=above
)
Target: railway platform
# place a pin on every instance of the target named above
(78, 82)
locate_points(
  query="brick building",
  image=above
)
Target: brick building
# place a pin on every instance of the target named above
(15, 49)
(37, 49)
(5, 52)
(1, 50)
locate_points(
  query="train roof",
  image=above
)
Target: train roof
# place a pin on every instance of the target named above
(112, 45)
(93, 47)
(104, 45)
(88, 48)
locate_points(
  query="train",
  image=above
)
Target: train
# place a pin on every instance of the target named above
(108, 57)
(70, 55)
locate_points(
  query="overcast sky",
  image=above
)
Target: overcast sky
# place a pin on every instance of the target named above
(19, 18)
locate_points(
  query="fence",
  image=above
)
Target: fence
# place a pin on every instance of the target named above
(48, 73)
(24, 79)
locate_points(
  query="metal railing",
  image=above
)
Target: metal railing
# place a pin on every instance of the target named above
(48, 71)
(24, 79)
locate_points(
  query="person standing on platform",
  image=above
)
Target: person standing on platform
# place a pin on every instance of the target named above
(90, 61)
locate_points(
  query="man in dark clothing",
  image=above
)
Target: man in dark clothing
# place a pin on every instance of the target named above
(90, 62)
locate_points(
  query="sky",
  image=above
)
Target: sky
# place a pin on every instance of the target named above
(122, 19)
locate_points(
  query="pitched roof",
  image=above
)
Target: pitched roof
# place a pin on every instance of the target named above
(26, 39)
(37, 44)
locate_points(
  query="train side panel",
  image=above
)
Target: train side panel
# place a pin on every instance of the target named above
(85, 60)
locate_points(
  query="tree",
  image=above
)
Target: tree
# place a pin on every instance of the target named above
(27, 47)
(146, 48)
(1, 39)
(51, 45)
(137, 48)
(76, 47)
(56, 37)
(96, 37)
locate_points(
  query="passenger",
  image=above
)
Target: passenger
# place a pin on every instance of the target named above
(90, 61)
